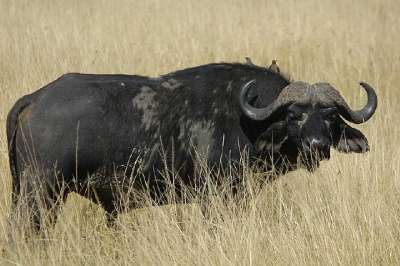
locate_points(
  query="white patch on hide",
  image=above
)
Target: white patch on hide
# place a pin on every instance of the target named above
(197, 134)
(145, 101)
(171, 84)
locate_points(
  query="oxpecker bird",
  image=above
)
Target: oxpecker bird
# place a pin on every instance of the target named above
(248, 61)
(274, 67)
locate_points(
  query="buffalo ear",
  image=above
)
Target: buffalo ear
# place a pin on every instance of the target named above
(272, 139)
(350, 140)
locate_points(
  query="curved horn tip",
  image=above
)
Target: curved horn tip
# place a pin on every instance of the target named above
(369, 109)
(362, 83)
(369, 90)
(246, 86)
(251, 82)
(366, 85)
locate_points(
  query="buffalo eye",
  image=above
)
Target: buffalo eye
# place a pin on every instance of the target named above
(331, 115)
(294, 117)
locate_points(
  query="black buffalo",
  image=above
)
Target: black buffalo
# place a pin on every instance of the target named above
(87, 133)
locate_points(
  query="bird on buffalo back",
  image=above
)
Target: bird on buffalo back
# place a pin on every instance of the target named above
(248, 61)
(274, 67)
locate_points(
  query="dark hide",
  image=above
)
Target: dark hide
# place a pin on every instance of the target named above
(82, 132)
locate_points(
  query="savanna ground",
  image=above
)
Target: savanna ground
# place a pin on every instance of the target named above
(347, 212)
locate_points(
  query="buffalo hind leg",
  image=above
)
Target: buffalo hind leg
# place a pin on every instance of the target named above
(37, 204)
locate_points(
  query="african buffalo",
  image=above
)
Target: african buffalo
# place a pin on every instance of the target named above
(89, 133)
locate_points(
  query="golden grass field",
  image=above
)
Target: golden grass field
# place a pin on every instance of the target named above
(347, 212)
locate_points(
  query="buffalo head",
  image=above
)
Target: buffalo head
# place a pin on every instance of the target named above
(305, 120)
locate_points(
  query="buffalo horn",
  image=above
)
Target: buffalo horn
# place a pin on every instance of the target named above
(290, 94)
(358, 116)
(297, 91)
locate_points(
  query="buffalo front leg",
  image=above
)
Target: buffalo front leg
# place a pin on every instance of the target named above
(111, 214)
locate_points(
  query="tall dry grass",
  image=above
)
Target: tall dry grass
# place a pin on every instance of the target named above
(347, 212)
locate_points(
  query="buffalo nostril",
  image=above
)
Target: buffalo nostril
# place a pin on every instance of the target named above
(317, 143)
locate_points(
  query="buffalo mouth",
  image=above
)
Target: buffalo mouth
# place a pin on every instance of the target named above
(310, 157)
